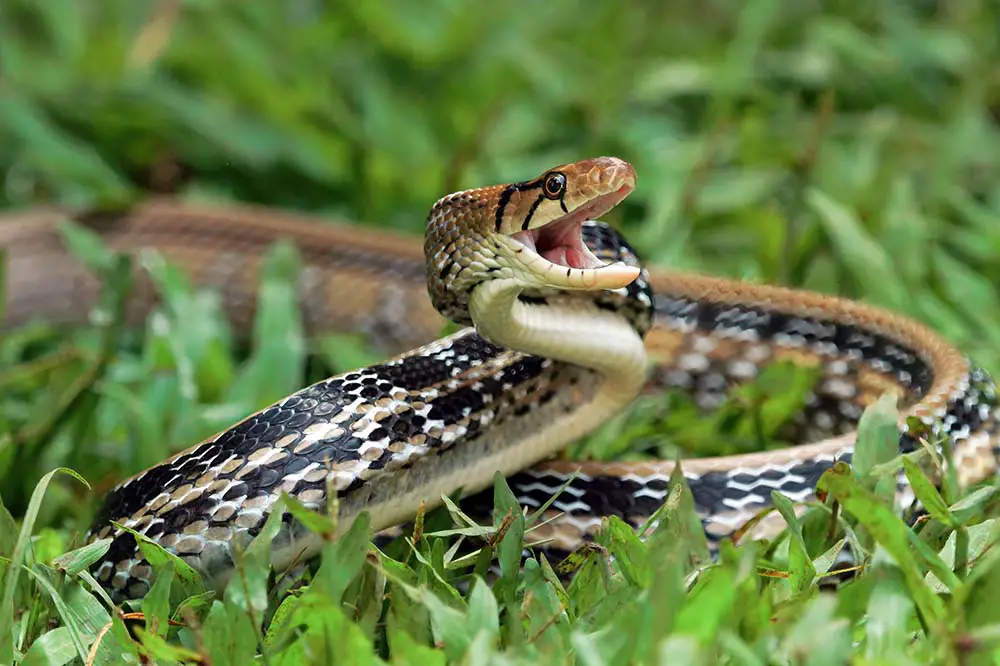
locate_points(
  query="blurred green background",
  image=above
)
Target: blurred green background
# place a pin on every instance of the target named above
(848, 147)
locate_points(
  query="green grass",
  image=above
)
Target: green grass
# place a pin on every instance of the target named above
(851, 149)
(925, 595)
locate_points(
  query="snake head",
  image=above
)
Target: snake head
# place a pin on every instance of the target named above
(531, 231)
(545, 217)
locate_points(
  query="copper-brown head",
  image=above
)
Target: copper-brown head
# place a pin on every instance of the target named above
(529, 231)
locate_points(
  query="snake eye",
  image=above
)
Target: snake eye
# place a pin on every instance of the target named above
(554, 185)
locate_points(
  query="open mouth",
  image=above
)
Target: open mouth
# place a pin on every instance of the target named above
(559, 244)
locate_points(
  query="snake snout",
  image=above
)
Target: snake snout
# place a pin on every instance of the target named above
(613, 173)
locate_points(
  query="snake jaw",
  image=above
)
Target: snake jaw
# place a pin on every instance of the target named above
(557, 256)
(560, 243)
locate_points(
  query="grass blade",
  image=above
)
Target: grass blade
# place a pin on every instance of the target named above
(17, 559)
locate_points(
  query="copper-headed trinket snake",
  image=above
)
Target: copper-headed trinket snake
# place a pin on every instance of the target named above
(565, 330)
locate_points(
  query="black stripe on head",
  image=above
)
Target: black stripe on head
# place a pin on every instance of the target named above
(531, 213)
(508, 193)
(505, 196)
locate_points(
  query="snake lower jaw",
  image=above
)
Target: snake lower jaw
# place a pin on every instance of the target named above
(539, 272)
(611, 276)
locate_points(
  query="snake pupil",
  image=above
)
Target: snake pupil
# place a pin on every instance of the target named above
(555, 185)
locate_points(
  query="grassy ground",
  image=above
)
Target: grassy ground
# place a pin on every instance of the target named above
(851, 149)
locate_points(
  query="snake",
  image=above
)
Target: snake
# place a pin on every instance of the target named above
(561, 328)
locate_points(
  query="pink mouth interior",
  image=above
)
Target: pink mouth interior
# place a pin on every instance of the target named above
(561, 242)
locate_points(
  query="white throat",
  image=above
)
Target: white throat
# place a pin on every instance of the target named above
(584, 336)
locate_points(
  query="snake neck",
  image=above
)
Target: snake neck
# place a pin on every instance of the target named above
(567, 329)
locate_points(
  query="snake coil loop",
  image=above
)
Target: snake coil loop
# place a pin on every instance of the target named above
(568, 330)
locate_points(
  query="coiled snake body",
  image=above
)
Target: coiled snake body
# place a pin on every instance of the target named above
(565, 321)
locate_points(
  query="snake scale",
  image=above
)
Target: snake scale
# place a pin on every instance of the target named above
(564, 329)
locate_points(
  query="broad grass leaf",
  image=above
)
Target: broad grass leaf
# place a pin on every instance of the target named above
(124, 642)
(629, 552)
(279, 630)
(483, 614)
(589, 585)
(887, 530)
(325, 634)
(408, 652)
(800, 567)
(343, 558)
(66, 158)
(11, 577)
(275, 367)
(482, 650)
(157, 649)
(861, 254)
(890, 613)
(53, 648)
(877, 444)
(927, 557)
(8, 534)
(93, 616)
(737, 189)
(196, 603)
(552, 579)
(544, 607)
(906, 230)
(738, 651)
(818, 638)
(365, 597)
(971, 293)
(509, 520)
(753, 606)
(80, 559)
(436, 562)
(610, 597)
(823, 562)
(451, 627)
(671, 554)
(590, 649)
(429, 570)
(980, 602)
(677, 521)
(229, 636)
(973, 504)
(927, 493)
(709, 605)
(188, 332)
(77, 631)
(983, 538)
(156, 603)
(407, 615)
(681, 649)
